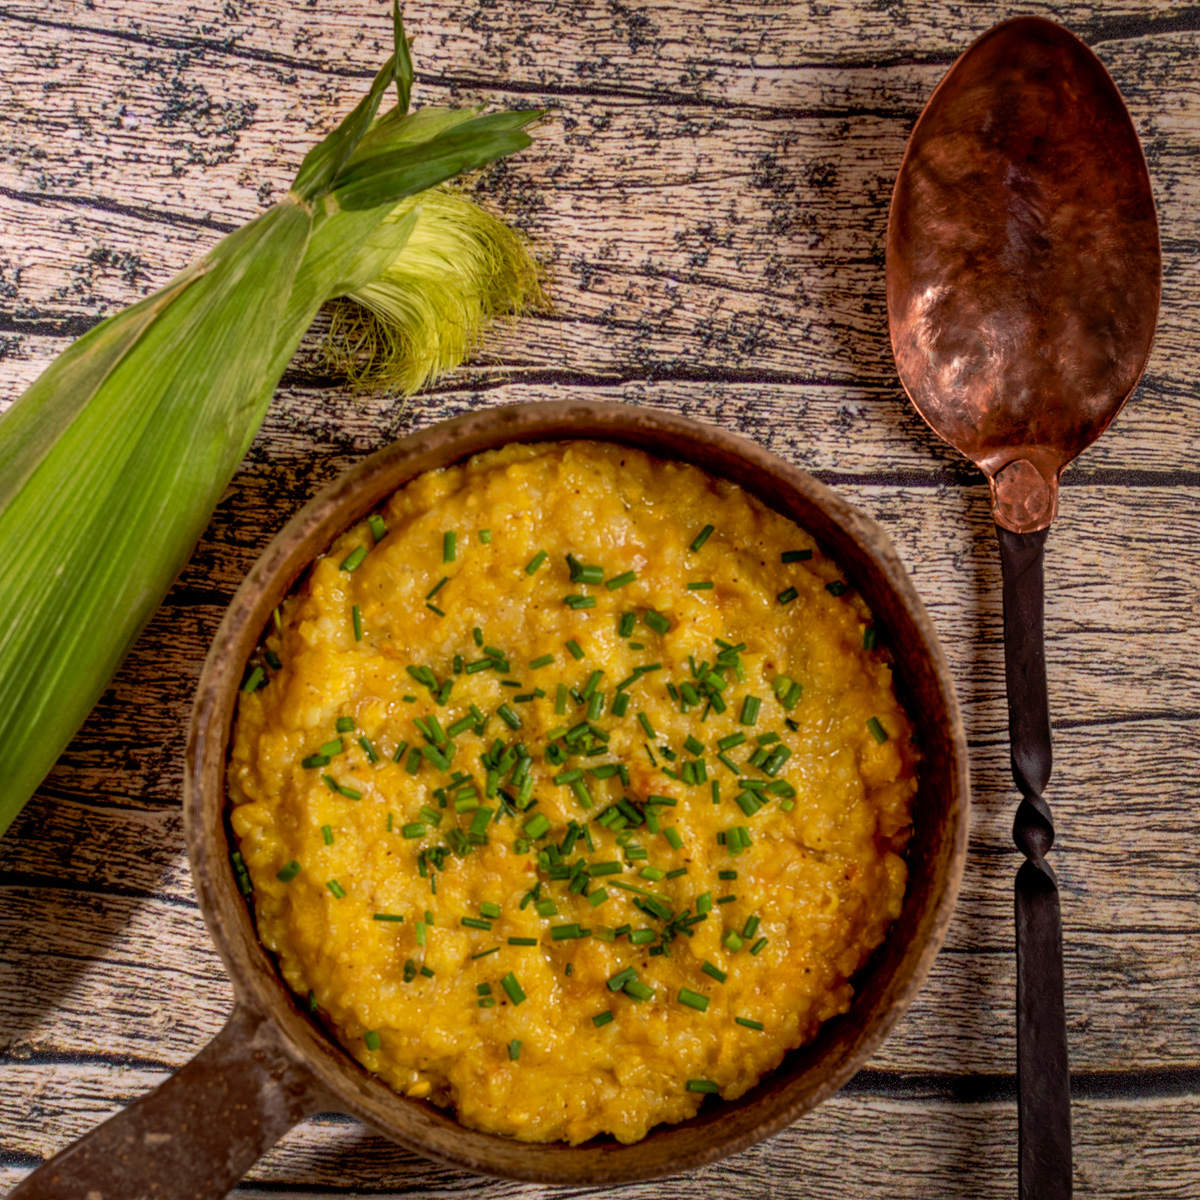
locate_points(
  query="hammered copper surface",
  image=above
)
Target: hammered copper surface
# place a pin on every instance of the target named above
(1023, 262)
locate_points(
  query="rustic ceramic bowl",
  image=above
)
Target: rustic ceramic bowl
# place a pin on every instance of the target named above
(273, 1064)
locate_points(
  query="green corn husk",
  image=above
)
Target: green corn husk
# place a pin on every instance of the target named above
(113, 460)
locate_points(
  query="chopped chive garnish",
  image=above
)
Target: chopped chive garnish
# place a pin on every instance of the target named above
(485, 536)
(437, 587)
(522, 941)
(577, 601)
(344, 725)
(514, 1050)
(336, 888)
(288, 872)
(836, 588)
(751, 927)
(870, 638)
(693, 1000)
(336, 746)
(537, 826)
(273, 660)
(414, 829)
(625, 624)
(512, 988)
(449, 546)
(638, 991)
(254, 680)
(371, 1039)
(732, 941)
(750, 707)
(714, 972)
(354, 558)
(433, 608)
(378, 528)
(315, 760)
(702, 1085)
(475, 923)
(877, 730)
(477, 634)
(758, 945)
(787, 595)
(701, 538)
(387, 917)
(620, 706)
(620, 580)
(485, 953)
(732, 740)
(603, 1018)
(368, 749)
(644, 722)
(656, 621)
(508, 716)
(576, 651)
(672, 836)
(327, 834)
(749, 1024)
(700, 585)
(535, 562)
(544, 661)
(490, 910)
(791, 556)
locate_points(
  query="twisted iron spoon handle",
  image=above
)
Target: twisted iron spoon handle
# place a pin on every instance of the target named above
(1043, 1074)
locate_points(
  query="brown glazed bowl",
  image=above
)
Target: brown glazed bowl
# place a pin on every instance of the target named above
(272, 1065)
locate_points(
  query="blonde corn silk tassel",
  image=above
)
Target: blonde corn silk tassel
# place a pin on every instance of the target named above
(427, 312)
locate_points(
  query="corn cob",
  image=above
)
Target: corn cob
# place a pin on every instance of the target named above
(112, 462)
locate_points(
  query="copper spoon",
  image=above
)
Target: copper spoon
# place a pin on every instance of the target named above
(1023, 282)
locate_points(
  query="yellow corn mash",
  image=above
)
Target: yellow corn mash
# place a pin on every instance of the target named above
(689, 935)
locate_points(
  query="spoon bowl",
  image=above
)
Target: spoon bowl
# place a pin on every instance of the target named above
(1023, 261)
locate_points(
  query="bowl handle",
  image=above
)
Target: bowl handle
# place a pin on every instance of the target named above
(197, 1134)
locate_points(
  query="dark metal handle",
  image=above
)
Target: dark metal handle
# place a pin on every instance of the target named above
(1043, 1074)
(196, 1135)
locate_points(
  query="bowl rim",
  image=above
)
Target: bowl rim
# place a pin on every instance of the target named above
(818, 1069)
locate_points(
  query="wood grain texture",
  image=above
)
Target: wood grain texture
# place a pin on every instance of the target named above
(710, 195)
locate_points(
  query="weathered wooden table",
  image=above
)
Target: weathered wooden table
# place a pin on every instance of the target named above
(710, 197)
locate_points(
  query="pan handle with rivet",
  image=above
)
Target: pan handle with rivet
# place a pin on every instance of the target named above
(197, 1134)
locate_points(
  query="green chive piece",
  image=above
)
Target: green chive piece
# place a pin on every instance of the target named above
(603, 1018)
(705, 1086)
(512, 988)
(433, 608)
(644, 722)
(437, 587)
(620, 581)
(387, 917)
(693, 1000)
(877, 730)
(522, 941)
(508, 716)
(638, 991)
(514, 1050)
(368, 749)
(336, 888)
(327, 834)
(485, 953)
(315, 760)
(535, 562)
(656, 621)
(620, 706)
(791, 556)
(701, 538)
(288, 872)
(371, 1039)
(254, 680)
(576, 651)
(331, 748)
(758, 945)
(578, 601)
(490, 910)
(378, 528)
(751, 927)
(750, 707)
(836, 588)
(485, 536)
(475, 923)
(732, 941)
(354, 559)
(672, 836)
(544, 661)
(415, 829)
(749, 1024)
(715, 972)
(787, 595)
(537, 826)
(625, 624)
(700, 585)
(728, 743)
(345, 725)
(870, 638)
(449, 546)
